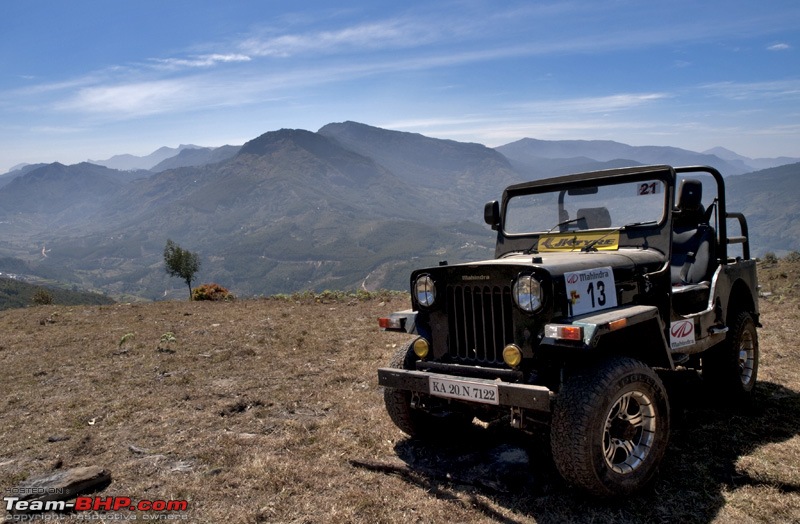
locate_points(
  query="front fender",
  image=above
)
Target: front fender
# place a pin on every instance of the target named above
(588, 332)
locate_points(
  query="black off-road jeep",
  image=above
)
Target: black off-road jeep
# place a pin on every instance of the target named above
(599, 279)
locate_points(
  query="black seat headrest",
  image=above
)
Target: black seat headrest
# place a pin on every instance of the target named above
(690, 202)
(690, 195)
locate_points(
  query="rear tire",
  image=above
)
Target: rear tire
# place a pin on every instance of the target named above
(731, 368)
(610, 427)
(418, 422)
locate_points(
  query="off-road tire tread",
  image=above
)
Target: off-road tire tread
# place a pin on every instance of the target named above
(581, 400)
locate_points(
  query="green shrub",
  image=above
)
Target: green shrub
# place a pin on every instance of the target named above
(211, 292)
(42, 298)
(770, 258)
(794, 256)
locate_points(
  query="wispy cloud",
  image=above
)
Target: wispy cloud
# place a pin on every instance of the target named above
(135, 98)
(203, 61)
(600, 104)
(781, 89)
(390, 33)
(779, 47)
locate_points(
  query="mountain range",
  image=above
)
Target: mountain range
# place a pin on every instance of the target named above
(345, 207)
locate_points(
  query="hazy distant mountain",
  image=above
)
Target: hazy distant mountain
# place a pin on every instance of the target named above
(348, 206)
(54, 188)
(18, 166)
(196, 157)
(528, 155)
(769, 200)
(460, 177)
(128, 162)
(18, 171)
(753, 164)
(418, 159)
(59, 199)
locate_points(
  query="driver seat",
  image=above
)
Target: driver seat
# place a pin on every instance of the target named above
(694, 244)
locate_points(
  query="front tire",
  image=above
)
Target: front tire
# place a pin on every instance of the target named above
(610, 427)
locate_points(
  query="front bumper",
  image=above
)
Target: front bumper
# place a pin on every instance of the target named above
(524, 396)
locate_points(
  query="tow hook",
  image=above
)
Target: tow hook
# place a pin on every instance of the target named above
(517, 418)
(415, 400)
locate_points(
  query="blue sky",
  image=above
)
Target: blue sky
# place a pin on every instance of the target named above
(90, 79)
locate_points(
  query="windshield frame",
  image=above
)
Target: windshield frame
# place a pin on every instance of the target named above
(649, 235)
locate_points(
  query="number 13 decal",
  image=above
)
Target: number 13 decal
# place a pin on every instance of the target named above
(601, 293)
(590, 290)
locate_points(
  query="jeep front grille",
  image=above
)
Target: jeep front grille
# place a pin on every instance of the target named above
(479, 322)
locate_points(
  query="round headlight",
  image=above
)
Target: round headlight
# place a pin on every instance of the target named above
(528, 293)
(424, 290)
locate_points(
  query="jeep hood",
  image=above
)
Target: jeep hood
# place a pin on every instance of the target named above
(559, 263)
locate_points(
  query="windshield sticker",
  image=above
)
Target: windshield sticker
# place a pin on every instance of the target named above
(608, 241)
(648, 188)
(590, 290)
(681, 334)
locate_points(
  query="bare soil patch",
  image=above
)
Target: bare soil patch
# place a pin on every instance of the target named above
(269, 411)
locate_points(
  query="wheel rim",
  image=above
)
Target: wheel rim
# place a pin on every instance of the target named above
(747, 358)
(629, 432)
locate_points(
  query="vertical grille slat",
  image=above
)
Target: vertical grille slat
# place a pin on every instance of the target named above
(479, 322)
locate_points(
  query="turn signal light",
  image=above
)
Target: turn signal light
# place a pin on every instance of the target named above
(389, 323)
(563, 332)
(617, 324)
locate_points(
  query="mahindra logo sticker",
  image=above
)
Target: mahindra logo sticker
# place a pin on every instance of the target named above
(681, 334)
(682, 329)
(572, 278)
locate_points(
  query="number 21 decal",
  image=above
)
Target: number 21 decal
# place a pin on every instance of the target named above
(648, 188)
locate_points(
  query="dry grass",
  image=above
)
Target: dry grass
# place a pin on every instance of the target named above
(269, 411)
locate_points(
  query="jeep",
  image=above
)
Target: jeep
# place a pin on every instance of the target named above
(601, 283)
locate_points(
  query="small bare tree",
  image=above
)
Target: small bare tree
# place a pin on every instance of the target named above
(181, 263)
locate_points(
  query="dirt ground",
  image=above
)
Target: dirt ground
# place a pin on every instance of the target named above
(268, 410)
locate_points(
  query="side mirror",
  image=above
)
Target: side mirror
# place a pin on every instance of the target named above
(491, 214)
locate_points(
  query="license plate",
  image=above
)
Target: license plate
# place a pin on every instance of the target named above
(463, 389)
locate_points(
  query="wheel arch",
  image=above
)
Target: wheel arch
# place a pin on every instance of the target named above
(741, 299)
(628, 342)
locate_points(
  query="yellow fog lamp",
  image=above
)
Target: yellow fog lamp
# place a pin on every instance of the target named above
(421, 347)
(512, 355)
